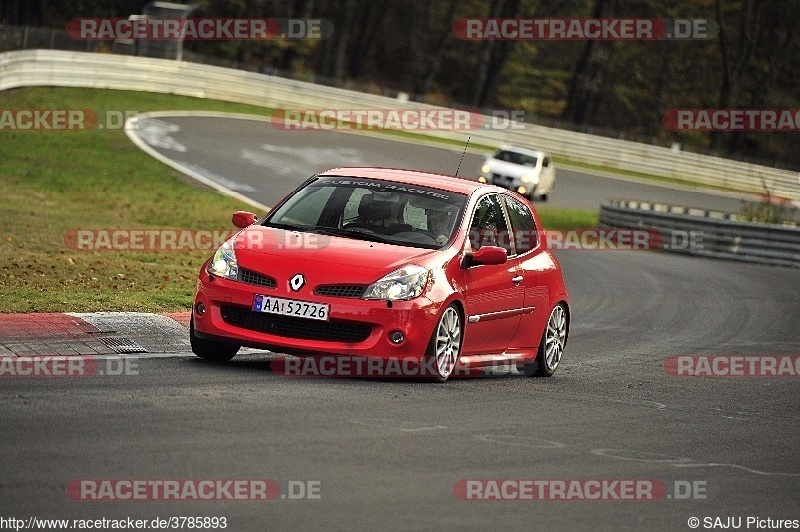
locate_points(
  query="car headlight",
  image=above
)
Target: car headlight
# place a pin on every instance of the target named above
(530, 178)
(224, 264)
(406, 283)
(485, 169)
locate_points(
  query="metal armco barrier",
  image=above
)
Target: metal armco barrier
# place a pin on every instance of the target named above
(78, 69)
(707, 233)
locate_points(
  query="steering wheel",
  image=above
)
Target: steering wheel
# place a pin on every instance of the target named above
(434, 237)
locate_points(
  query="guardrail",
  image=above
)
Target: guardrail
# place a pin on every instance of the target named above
(707, 233)
(77, 69)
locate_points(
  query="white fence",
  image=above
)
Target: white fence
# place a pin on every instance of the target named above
(76, 69)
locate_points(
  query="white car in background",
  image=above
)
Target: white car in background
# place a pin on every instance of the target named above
(528, 172)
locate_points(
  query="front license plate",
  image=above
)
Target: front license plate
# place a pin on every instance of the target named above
(291, 307)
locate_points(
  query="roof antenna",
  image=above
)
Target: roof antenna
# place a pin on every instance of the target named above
(462, 156)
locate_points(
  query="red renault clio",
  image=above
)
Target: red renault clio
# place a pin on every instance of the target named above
(391, 264)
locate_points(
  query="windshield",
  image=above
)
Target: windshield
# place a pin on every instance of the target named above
(516, 158)
(375, 210)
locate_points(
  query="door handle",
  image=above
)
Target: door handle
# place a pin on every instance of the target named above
(518, 279)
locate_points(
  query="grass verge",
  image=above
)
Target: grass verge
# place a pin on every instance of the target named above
(52, 182)
(564, 219)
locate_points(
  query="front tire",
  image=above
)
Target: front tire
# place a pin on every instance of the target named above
(209, 349)
(551, 347)
(444, 349)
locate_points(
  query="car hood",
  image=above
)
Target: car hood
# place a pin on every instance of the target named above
(333, 259)
(509, 169)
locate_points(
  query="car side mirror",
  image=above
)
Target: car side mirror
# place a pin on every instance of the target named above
(242, 219)
(487, 255)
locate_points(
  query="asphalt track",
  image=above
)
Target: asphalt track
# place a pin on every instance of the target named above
(264, 163)
(388, 453)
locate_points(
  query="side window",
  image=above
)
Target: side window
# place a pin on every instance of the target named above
(525, 236)
(488, 227)
(546, 162)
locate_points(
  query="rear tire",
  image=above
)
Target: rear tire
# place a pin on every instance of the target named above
(543, 197)
(209, 349)
(551, 346)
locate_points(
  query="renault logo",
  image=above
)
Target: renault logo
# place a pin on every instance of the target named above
(297, 282)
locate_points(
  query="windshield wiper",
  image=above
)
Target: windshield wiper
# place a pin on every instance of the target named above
(353, 233)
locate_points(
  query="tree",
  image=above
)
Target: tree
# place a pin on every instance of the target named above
(493, 56)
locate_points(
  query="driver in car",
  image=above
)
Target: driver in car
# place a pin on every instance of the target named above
(440, 224)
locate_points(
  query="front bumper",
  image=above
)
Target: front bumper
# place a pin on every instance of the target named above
(356, 327)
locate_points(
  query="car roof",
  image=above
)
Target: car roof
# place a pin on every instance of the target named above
(411, 177)
(524, 151)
